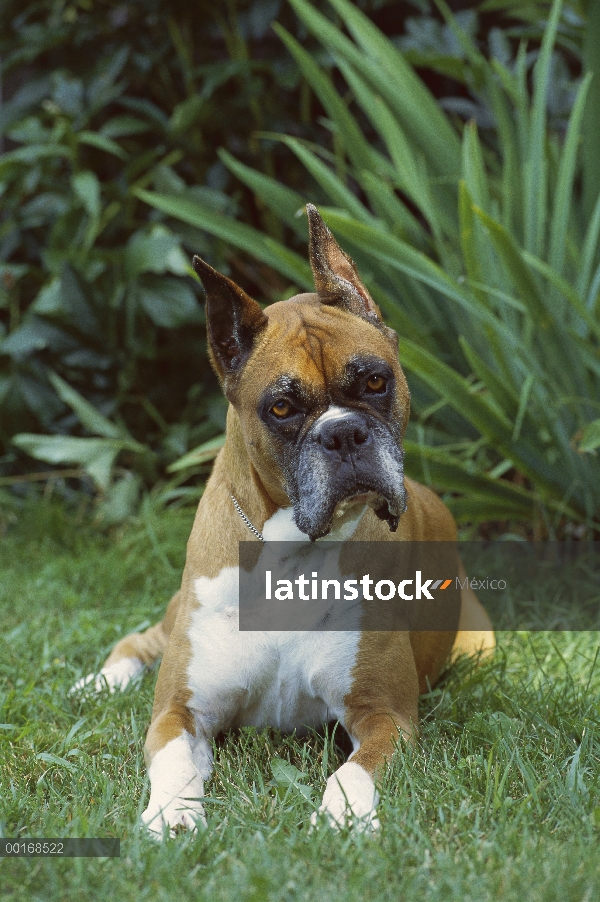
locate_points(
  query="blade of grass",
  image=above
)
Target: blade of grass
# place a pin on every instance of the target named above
(391, 209)
(409, 172)
(401, 89)
(499, 390)
(450, 474)
(481, 413)
(469, 243)
(517, 269)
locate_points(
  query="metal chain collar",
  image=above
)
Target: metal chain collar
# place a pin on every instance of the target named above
(246, 520)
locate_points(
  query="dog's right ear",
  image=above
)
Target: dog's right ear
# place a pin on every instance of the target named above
(233, 321)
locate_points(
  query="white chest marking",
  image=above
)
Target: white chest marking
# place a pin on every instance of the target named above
(288, 680)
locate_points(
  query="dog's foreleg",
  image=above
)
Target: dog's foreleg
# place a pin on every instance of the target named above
(381, 709)
(351, 796)
(178, 764)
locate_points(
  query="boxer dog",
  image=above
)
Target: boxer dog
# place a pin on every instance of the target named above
(318, 406)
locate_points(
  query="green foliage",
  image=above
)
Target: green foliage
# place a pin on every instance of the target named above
(480, 254)
(480, 242)
(100, 101)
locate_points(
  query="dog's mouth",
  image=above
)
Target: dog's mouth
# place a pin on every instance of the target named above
(384, 508)
(387, 506)
(358, 499)
(367, 498)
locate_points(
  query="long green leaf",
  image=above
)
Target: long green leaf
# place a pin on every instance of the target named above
(589, 252)
(517, 269)
(101, 142)
(469, 243)
(347, 129)
(391, 210)
(409, 171)
(87, 414)
(484, 510)
(563, 197)
(591, 63)
(95, 455)
(244, 237)
(565, 288)
(473, 167)
(498, 388)
(329, 182)
(31, 154)
(204, 453)
(535, 198)
(419, 113)
(285, 202)
(449, 474)
(477, 410)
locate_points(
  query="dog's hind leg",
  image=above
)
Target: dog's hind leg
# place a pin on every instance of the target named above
(132, 654)
(475, 636)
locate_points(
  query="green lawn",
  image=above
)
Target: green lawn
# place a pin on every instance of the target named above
(501, 799)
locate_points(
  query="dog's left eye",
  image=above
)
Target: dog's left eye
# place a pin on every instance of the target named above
(376, 384)
(281, 409)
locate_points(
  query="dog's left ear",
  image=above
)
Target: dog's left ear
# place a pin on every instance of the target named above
(336, 277)
(233, 320)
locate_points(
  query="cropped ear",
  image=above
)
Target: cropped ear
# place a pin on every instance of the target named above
(336, 277)
(233, 321)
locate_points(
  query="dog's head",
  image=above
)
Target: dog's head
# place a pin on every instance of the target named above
(316, 383)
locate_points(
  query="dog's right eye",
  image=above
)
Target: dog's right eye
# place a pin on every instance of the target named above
(376, 383)
(281, 409)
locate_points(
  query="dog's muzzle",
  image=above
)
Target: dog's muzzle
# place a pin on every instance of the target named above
(345, 456)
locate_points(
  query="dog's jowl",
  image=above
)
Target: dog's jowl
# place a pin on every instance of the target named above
(318, 406)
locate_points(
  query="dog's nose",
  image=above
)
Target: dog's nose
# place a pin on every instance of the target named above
(342, 433)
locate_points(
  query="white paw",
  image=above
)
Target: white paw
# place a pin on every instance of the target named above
(177, 788)
(350, 799)
(176, 813)
(116, 676)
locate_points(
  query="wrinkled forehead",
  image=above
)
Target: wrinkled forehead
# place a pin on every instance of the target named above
(314, 346)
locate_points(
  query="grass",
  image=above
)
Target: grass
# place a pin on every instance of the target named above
(501, 799)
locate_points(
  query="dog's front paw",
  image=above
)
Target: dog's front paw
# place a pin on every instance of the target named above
(175, 814)
(116, 676)
(350, 799)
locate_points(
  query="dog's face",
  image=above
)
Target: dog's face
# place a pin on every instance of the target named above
(318, 389)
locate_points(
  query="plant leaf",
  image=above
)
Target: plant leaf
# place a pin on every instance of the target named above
(202, 454)
(590, 437)
(88, 416)
(95, 455)
(200, 215)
